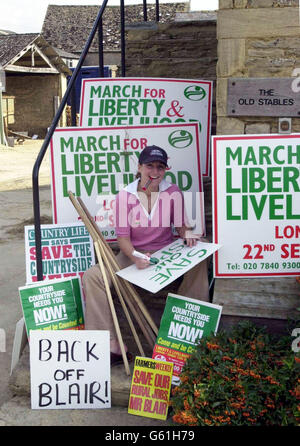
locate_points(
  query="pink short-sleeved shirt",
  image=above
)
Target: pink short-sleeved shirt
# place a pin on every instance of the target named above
(149, 232)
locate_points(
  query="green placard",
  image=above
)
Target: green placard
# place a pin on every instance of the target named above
(52, 305)
(184, 322)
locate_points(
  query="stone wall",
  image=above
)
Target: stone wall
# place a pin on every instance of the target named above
(256, 39)
(186, 50)
(34, 101)
(183, 49)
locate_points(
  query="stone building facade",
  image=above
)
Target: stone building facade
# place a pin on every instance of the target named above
(185, 49)
(256, 39)
(250, 39)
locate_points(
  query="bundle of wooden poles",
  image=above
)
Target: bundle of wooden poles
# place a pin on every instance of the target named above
(108, 266)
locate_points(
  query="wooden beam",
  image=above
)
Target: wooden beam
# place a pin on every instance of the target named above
(43, 56)
(22, 69)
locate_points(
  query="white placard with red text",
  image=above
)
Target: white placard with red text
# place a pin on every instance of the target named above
(149, 101)
(256, 205)
(95, 164)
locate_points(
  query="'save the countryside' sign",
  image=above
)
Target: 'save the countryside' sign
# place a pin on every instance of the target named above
(67, 250)
(256, 205)
(137, 101)
(95, 164)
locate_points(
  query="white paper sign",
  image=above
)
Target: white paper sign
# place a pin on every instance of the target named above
(175, 260)
(256, 205)
(70, 369)
(95, 164)
(146, 101)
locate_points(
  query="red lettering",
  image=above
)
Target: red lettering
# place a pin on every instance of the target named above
(162, 381)
(141, 377)
(32, 251)
(66, 251)
(290, 251)
(287, 232)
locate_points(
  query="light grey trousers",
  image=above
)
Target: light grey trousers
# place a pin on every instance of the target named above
(97, 310)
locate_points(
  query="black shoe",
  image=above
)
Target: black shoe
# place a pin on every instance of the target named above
(116, 359)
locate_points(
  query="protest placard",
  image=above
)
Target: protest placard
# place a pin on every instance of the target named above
(70, 369)
(112, 102)
(95, 164)
(67, 250)
(150, 388)
(184, 322)
(52, 305)
(256, 205)
(175, 260)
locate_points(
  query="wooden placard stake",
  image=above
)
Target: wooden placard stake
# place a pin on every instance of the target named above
(112, 309)
(113, 260)
(117, 288)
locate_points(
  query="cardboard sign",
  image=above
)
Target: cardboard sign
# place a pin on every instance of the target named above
(150, 388)
(67, 250)
(111, 102)
(52, 305)
(70, 369)
(256, 205)
(95, 164)
(175, 260)
(184, 322)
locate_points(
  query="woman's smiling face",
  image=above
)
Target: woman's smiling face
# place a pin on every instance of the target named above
(154, 171)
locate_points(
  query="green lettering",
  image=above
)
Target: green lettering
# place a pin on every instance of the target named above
(271, 179)
(95, 92)
(256, 182)
(98, 160)
(229, 188)
(91, 143)
(264, 155)
(188, 180)
(66, 144)
(229, 211)
(289, 209)
(86, 163)
(88, 184)
(292, 155)
(250, 156)
(275, 154)
(230, 154)
(64, 169)
(274, 206)
(291, 175)
(112, 162)
(258, 207)
(80, 144)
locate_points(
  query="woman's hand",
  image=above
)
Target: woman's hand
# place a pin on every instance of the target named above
(142, 263)
(190, 239)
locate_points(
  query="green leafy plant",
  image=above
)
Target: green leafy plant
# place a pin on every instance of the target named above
(241, 377)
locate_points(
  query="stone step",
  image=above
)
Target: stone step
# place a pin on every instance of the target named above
(19, 382)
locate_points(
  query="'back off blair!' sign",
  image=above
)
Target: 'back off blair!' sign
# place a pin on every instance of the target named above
(70, 369)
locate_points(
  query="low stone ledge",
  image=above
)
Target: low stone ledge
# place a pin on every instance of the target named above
(19, 382)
